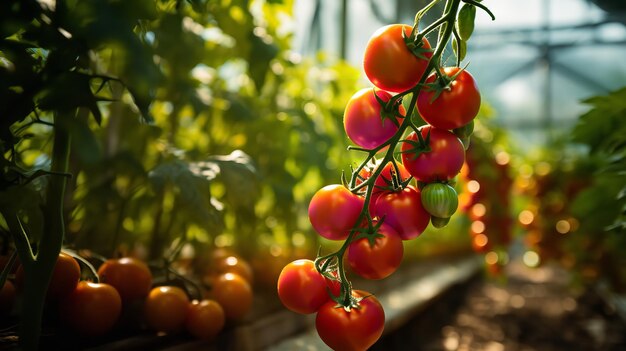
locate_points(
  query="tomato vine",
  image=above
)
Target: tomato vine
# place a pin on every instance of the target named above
(439, 145)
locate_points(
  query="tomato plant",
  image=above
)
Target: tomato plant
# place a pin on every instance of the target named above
(301, 288)
(334, 210)
(92, 309)
(388, 61)
(234, 294)
(376, 207)
(379, 257)
(166, 308)
(366, 120)
(403, 211)
(131, 277)
(205, 319)
(451, 101)
(351, 329)
(437, 156)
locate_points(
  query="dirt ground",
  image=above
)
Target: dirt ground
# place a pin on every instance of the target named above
(530, 310)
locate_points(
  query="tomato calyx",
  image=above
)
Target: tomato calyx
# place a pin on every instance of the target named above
(389, 109)
(419, 146)
(370, 232)
(415, 45)
(442, 83)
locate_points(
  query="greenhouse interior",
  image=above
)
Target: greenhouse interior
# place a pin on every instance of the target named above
(285, 175)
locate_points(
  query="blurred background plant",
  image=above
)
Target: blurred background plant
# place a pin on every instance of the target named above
(240, 128)
(576, 210)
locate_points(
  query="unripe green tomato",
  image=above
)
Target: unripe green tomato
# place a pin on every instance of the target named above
(439, 199)
(438, 222)
(464, 131)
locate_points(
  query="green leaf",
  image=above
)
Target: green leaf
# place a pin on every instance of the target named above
(262, 53)
(465, 21)
(240, 176)
(604, 126)
(191, 184)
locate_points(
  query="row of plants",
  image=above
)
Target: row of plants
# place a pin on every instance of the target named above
(160, 130)
(96, 299)
(575, 214)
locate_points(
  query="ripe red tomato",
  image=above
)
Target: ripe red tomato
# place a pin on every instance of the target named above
(403, 211)
(376, 261)
(389, 64)
(301, 288)
(363, 122)
(92, 309)
(65, 277)
(443, 162)
(131, 277)
(234, 294)
(205, 319)
(353, 330)
(383, 182)
(334, 210)
(454, 107)
(165, 308)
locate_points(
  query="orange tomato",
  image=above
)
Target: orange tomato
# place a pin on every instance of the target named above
(65, 277)
(234, 294)
(235, 264)
(165, 308)
(7, 297)
(92, 309)
(205, 319)
(130, 276)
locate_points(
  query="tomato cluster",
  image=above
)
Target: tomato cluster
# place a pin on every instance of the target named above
(426, 111)
(126, 287)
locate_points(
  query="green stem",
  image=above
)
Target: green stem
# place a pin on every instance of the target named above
(38, 269)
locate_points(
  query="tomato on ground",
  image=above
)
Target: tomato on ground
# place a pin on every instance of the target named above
(444, 160)
(403, 211)
(334, 210)
(205, 319)
(363, 118)
(353, 330)
(301, 288)
(92, 309)
(379, 260)
(165, 308)
(130, 276)
(388, 62)
(453, 107)
(234, 294)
